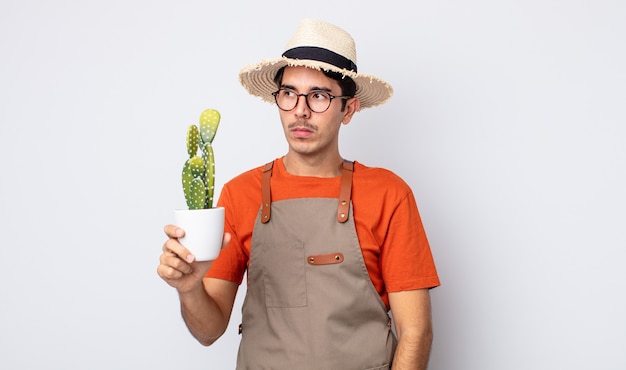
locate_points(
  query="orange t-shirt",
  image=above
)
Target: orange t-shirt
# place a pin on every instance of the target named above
(394, 245)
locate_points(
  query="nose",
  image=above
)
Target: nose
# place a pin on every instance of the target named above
(302, 107)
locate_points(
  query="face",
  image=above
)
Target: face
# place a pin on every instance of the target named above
(309, 133)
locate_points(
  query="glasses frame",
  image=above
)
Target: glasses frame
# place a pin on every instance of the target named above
(306, 99)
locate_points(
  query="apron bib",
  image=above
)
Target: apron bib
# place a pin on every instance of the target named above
(310, 303)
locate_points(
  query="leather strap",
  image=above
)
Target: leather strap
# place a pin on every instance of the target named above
(325, 259)
(266, 194)
(345, 191)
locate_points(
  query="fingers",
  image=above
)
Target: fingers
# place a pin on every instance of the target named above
(175, 261)
(171, 259)
(169, 273)
(174, 231)
(177, 266)
(174, 247)
(172, 267)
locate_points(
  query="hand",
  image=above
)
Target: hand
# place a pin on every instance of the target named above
(178, 266)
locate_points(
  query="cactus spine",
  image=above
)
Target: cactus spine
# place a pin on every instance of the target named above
(199, 170)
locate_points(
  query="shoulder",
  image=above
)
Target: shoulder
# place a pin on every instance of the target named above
(247, 179)
(379, 179)
(378, 189)
(243, 188)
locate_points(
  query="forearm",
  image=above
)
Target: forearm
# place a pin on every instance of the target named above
(203, 317)
(413, 349)
(411, 313)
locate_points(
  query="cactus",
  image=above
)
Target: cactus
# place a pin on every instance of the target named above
(199, 170)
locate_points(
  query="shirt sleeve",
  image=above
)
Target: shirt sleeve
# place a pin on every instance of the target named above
(232, 262)
(406, 259)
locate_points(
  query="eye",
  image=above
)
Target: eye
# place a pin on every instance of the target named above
(319, 95)
(287, 93)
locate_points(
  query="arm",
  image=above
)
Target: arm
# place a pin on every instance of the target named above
(206, 304)
(411, 313)
(206, 309)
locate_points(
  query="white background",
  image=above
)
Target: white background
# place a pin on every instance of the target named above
(507, 121)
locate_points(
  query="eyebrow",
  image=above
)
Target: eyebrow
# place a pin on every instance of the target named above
(314, 88)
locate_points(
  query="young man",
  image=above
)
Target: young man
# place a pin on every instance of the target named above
(330, 246)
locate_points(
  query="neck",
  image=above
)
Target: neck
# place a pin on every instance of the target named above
(317, 167)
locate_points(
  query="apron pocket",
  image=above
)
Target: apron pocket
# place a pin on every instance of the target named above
(284, 277)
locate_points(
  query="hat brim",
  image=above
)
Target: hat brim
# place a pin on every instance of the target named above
(258, 79)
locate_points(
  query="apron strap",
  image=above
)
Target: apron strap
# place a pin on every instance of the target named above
(345, 191)
(266, 195)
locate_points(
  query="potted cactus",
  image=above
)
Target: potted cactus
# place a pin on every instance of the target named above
(199, 170)
(203, 224)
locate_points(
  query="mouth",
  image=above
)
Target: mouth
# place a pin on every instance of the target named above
(302, 129)
(300, 132)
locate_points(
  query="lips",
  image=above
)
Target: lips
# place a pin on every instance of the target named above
(302, 129)
(301, 132)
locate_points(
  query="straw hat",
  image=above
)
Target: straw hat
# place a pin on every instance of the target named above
(322, 46)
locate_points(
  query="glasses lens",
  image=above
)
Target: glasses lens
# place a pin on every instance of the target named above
(318, 101)
(286, 99)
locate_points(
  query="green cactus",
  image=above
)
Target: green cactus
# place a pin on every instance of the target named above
(199, 170)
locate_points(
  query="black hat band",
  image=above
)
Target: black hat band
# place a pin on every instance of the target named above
(321, 55)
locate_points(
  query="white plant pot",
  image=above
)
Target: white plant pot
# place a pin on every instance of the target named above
(204, 229)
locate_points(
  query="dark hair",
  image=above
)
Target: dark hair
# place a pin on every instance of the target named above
(347, 85)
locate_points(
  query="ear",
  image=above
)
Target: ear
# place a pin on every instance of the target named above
(352, 106)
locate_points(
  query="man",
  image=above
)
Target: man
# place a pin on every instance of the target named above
(330, 246)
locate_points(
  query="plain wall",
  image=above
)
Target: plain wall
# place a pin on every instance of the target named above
(508, 122)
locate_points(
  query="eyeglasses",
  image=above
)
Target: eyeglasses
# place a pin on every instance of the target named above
(317, 101)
